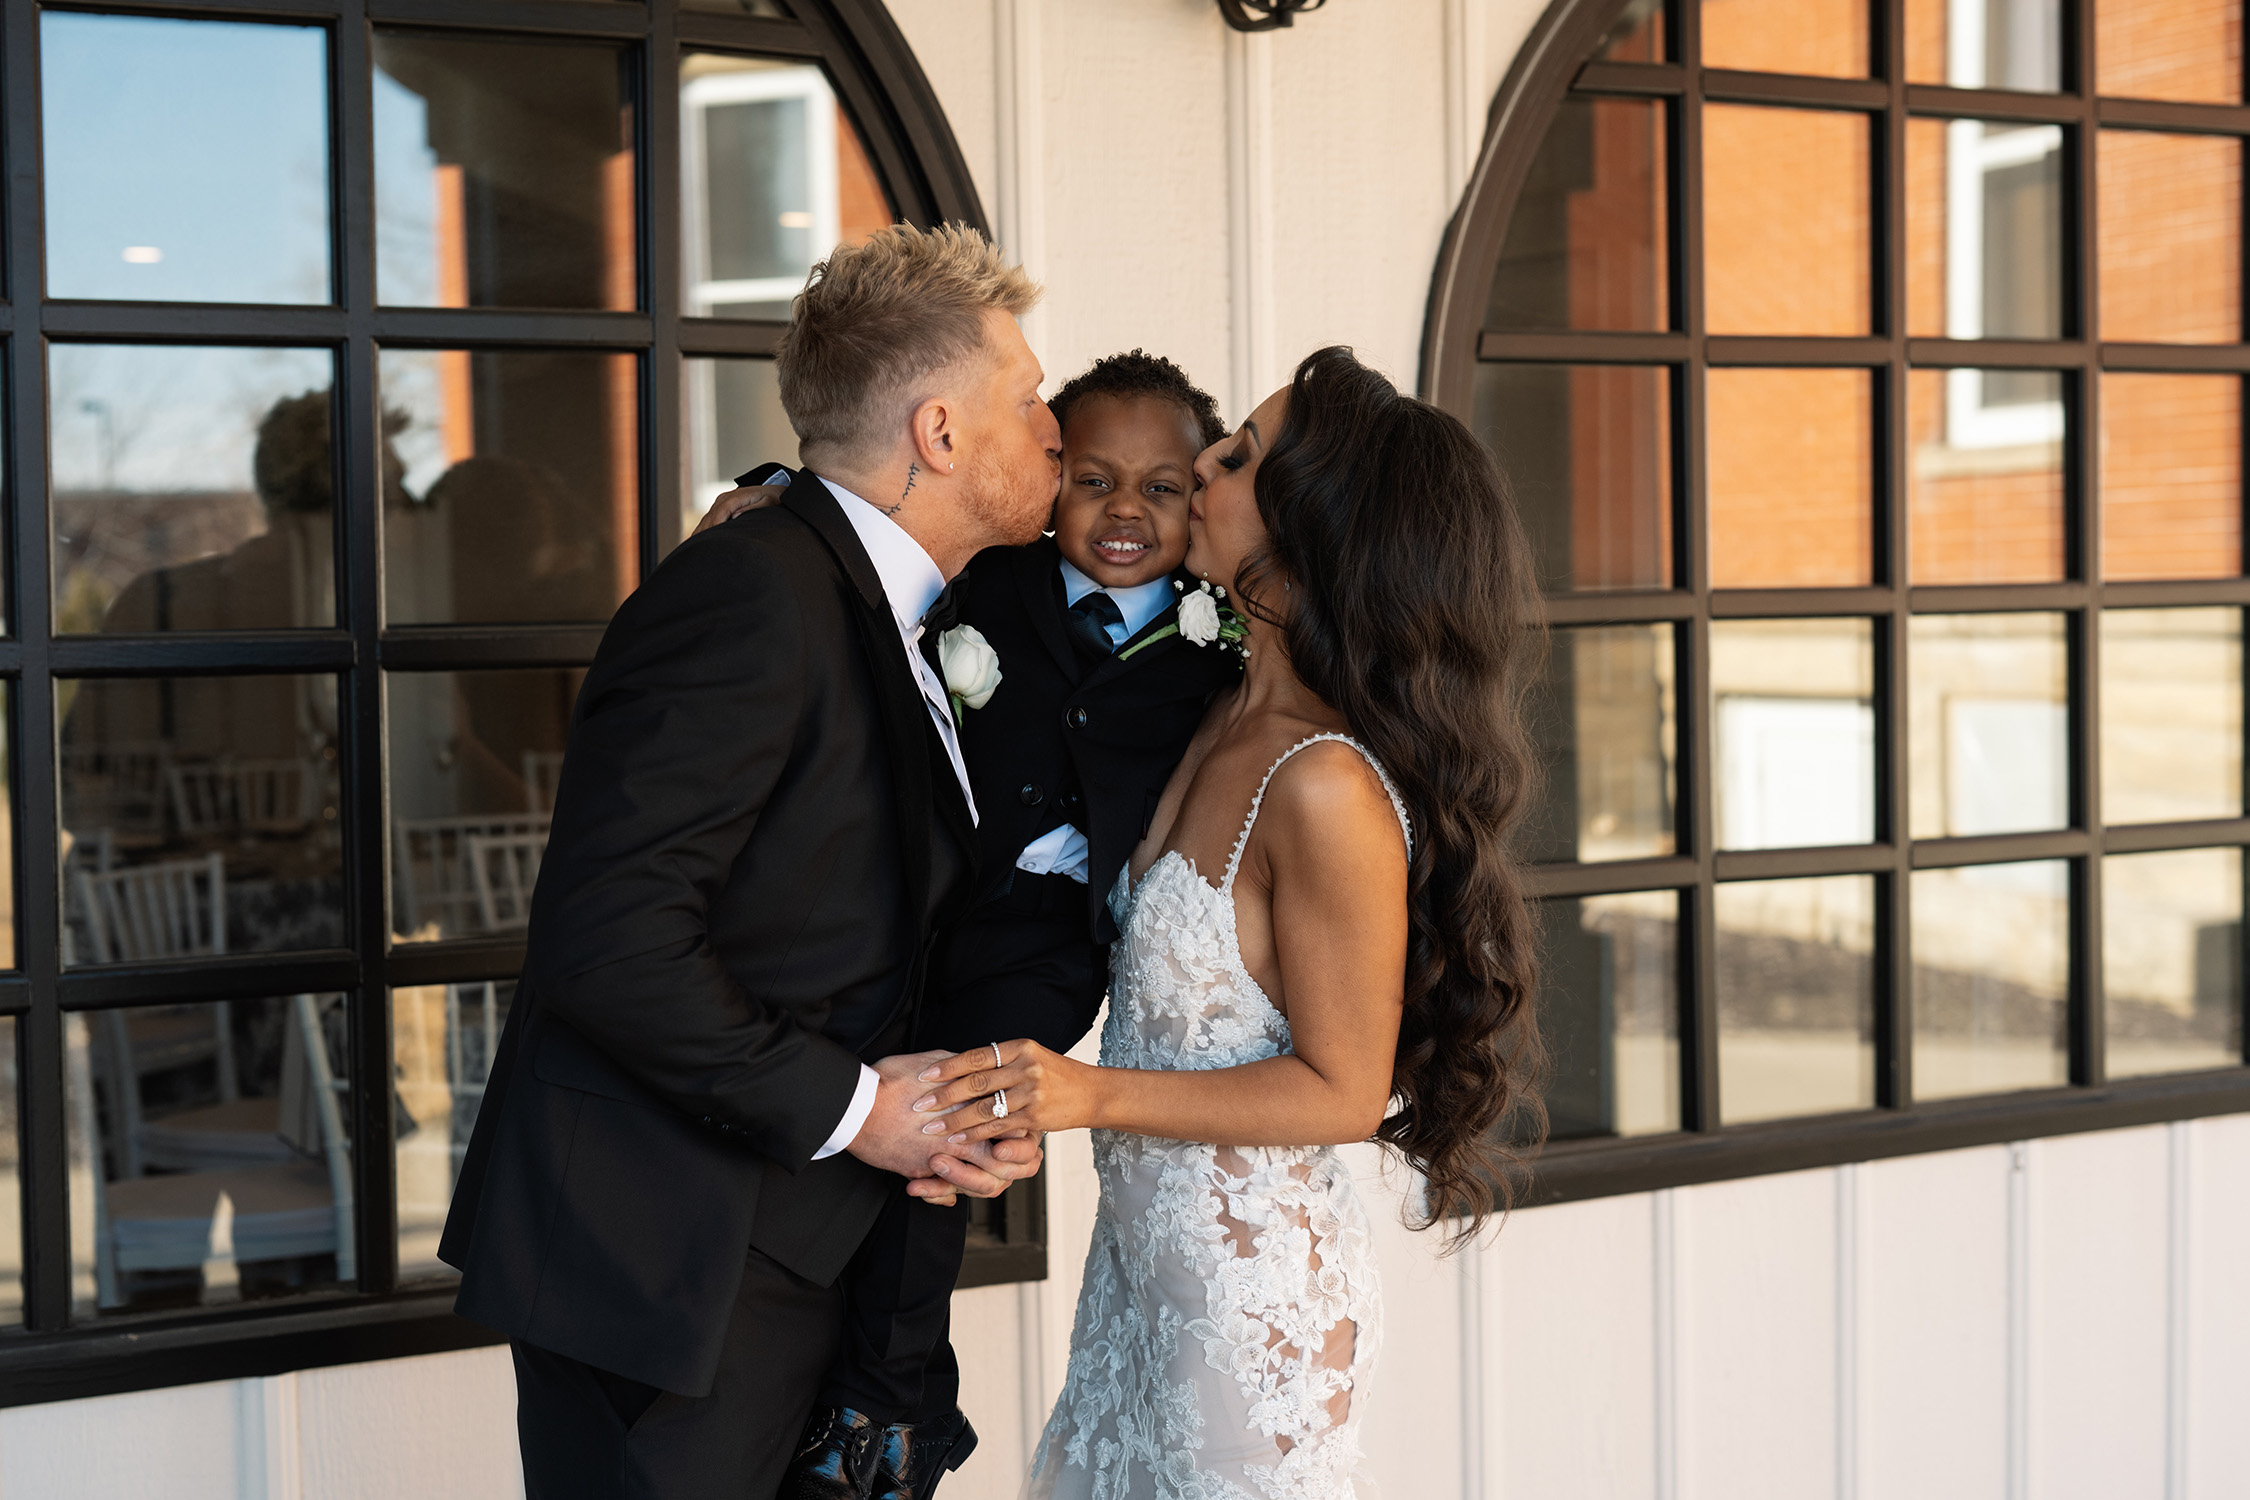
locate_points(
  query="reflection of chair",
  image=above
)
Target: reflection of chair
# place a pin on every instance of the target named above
(242, 796)
(431, 876)
(504, 868)
(273, 1211)
(141, 914)
(542, 773)
(120, 786)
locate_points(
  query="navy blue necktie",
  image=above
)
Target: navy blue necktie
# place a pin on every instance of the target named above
(1090, 619)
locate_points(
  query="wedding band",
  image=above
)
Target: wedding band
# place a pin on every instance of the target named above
(1000, 1104)
(997, 1064)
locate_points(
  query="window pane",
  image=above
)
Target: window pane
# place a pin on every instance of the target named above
(11, 1183)
(1785, 220)
(2171, 457)
(770, 10)
(1607, 717)
(1793, 710)
(1988, 721)
(2186, 49)
(2171, 238)
(186, 161)
(521, 485)
(2171, 714)
(1796, 982)
(1637, 35)
(474, 758)
(1792, 478)
(1991, 979)
(1610, 1010)
(774, 178)
(503, 173)
(1985, 476)
(194, 489)
(209, 1151)
(1984, 230)
(211, 799)
(2172, 961)
(1985, 44)
(1827, 37)
(442, 1041)
(1587, 242)
(1588, 453)
(734, 423)
(8, 959)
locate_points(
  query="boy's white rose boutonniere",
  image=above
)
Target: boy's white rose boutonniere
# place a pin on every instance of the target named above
(1203, 618)
(970, 666)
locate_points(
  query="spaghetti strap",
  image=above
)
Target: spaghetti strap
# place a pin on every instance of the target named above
(1390, 789)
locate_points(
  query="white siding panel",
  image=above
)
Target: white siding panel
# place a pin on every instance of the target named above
(1413, 1432)
(438, 1424)
(988, 1339)
(1757, 1339)
(1572, 1367)
(2097, 1327)
(2218, 1312)
(1360, 199)
(182, 1444)
(1135, 187)
(1933, 1328)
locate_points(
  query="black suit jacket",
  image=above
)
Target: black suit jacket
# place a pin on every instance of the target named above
(755, 834)
(1094, 746)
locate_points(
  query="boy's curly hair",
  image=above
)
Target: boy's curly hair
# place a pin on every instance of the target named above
(1140, 374)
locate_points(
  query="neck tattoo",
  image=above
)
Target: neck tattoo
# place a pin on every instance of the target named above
(912, 472)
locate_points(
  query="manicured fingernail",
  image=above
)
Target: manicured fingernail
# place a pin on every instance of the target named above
(929, 1073)
(933, 1127)
(955, 1140)
(927, 1101)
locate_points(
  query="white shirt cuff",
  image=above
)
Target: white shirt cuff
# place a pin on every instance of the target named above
(862, 1105)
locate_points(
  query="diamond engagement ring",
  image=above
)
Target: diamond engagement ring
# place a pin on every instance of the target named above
(999, 1104)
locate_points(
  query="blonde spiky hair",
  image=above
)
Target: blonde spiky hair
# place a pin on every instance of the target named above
(877, 319)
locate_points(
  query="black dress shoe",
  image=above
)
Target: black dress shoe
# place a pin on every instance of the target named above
(835, 1457)
(911, 1457)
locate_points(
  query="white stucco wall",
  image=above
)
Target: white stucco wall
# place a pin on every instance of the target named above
(2059, 1319)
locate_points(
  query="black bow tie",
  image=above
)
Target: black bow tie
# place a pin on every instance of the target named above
(944, 613)
(1090, 619)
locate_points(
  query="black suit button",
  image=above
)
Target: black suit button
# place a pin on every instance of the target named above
(1031, 796)
(1070, 802)
(1075, 717)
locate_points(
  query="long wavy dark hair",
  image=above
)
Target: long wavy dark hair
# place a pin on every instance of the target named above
(1413, 610)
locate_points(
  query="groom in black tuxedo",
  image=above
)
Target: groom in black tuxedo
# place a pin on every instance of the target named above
(698, 1108)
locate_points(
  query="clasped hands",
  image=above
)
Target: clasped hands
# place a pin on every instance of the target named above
(897, 1139)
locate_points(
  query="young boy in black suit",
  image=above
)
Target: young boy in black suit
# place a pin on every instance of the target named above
(1097, 698)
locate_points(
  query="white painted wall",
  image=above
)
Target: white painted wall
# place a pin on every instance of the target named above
(2044, 1321)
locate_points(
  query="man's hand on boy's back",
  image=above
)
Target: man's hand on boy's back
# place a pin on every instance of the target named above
(734, 502)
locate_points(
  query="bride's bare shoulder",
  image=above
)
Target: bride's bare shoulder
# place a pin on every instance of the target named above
(1328, 804)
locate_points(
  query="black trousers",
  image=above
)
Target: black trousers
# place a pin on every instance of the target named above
(588, 1434)
(1021, 965)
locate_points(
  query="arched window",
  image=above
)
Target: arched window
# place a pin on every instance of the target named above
(361, 356)
(1870, 375)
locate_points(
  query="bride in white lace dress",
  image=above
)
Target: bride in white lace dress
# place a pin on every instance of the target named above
(1322, 942)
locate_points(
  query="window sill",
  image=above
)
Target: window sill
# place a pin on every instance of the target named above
(1572, 1171)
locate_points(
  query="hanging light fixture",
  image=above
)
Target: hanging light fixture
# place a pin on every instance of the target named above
(1264, 15)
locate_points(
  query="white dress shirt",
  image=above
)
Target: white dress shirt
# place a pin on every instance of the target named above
(912, 583)
(1062, 850)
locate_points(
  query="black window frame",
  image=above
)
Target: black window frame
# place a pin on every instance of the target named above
(1553, 65)
(921, 166)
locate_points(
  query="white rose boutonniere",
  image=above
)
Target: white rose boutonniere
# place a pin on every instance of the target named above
(1199, 618)
(970, 665)
(1203, 618)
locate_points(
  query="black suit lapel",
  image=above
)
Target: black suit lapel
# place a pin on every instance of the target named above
(1143, 648)
(1038, 569)
(907, 731)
